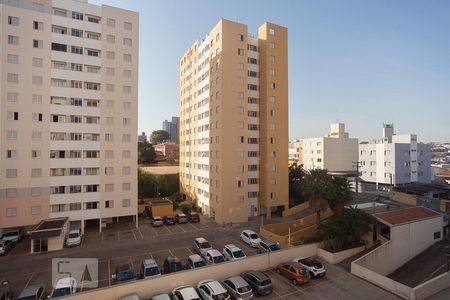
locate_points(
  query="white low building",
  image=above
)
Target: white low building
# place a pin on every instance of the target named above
(395, 159)
(335, 152)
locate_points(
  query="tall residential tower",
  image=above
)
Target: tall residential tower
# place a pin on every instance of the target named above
(234, 121)
(68, 108)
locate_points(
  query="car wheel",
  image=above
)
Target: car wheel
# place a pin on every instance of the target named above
(278, 271)
(312, 275)
(294, 282)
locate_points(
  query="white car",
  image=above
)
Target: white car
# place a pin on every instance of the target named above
(214, 257)
(201, 246)
(185, 292)
(74, 238)
(157, 221)
(64, 286)
(211, 289)
(315, 267)
(251, 238)
(232, 252)
(13, 236)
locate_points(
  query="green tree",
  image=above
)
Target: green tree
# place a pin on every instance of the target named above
(146, 153)
(159, 136)
(317, 188)
(341, 194)
(296, 173)
(174, 154)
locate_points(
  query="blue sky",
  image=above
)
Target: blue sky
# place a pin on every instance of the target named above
(359, 62)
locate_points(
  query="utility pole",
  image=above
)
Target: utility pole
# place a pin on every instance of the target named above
(356, 164)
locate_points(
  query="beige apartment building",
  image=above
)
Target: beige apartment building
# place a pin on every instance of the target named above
(234, 122)
(69, 89)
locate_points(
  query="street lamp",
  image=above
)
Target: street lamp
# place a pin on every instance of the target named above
(5, 284)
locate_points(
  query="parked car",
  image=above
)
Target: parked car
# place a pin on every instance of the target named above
(6, 295)
(64, 286)
(195, 261)
(315, 267)
(14, 235)
(157, 221)
(160, 297)
(250, 237)
(123, 273)
(74, 238)
(232, 252)
(260, 282)
(185, 292)
(201, 246)
(130, 297)
(267, 246)
(5, 246)
(294, 271)
(194, 217)
(169, 220)
(214, 257)
(211, 289)
(32, 292)
(149, 269)
(238, 288)
(172, 264)
(181, 218)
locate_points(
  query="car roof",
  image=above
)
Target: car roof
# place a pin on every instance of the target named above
(130, 297)
(293, 264)
(64, 282)
(201, 239)
(248, 231)
(238, 281)
(257, 274)
(181, 215)
(74, 231)
(149, 262)
(124, 267)
(187, 291)
(195, 257)
(232, 247)
(214, 285)
(156, 217)
(160, 297)
(268, 242)
(172, 259)
(214, 252)
(30, 290)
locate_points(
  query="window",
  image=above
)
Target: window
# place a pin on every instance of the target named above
(127, 42)
(273, 195)
(271, 31)
(252, 74)
(12, 97)
(437, 235)
(127, 73)
(126, 202)
(272, 71)
(12, 77)
(109, 187)
(126, 89)
(272, 99)
(109, 104)
(110, 55)
(14, 21)
(240, 139)
(240, 37)
(126, 187)
(36, 172)
(127, 26)
(35, 191)
(110, 38)
(35, 153)
(11, 193)
(273, 140)
(93, 52)
(38, 25)
(37, 62)
(240, 51)
(109, 137)
(11, 134)
(77, 16)
(127, 57)
(37, 80)
(252, 87)
(272, 45)
(11, 211)
(109, 87)
(36, 117)
(76, 50)
(13, 59)
(109, 121)
(93, 19)
(11, 173)
(12, 115)
(11, 153)
(126, 138)
(109, 203)
(252, 61)
(38, 44)
(240, 183)
(110, 22)
(240, 169)
(92, 69)
(36, 135)
(272, 126)
(126, 105)
(126, 153)
(77, 32)
(272, 85)
(272, 59)
(13, 40)
(36, 99)
(109, 171)
(36, 210)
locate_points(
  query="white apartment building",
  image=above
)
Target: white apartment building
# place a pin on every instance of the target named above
(68, 113)
(395, 159)
(295, 152)
(335, 152)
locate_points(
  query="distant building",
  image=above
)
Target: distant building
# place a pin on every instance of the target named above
(295, 152)
(335, 152)
(173, 128)
(165, 148)
(395, 159)
(142, 137)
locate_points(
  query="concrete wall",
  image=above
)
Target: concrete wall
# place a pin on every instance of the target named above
(164, 284)
(404, 198)
(335, 258)
(295, 210)
(432, 286)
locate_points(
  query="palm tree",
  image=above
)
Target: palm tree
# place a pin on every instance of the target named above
(317, 188)
(357, 224)
(341, 194)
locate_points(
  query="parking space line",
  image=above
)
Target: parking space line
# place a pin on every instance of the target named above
(151, 255)
(28, 282)
(140, 233)
(171, 253)
(181, 227)
(190, 251)
(279, 295)
(193, 226)
(109, 272)
(131, 261)
(154, 231)
(134, 235)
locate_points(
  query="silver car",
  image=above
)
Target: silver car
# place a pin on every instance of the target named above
(32, 292)
(238, 288)
(157, 222)
(201, 246)
(160, 297)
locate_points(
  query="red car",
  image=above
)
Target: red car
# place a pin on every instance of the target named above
(294, 271)
(194, 217)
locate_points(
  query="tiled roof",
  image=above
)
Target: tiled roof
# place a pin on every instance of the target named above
(406, 215)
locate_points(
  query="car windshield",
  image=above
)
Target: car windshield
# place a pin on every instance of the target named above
(205, 245)
(27, 298)
(274, 247)
(125, 275)
(238, 254)
(73, 235)
(244, 289)
(177, 267)
(152, 271)
(222, 296)
(12, 233)
(302, 272)
(199, 264)
(265, 282)
(157, 219)
(254, 236)
(218, 259)
(61, 292)
(170, 218)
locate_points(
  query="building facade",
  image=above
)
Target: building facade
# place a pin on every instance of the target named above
(142, 137)
(234, 121)
(173, 128)
(335, 152)
(395, 159)
(68, 112)
(296, 152)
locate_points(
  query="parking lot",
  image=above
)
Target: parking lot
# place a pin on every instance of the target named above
(125, 244)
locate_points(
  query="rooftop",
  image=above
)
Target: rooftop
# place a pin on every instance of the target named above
(406, 215)
(49, 228)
